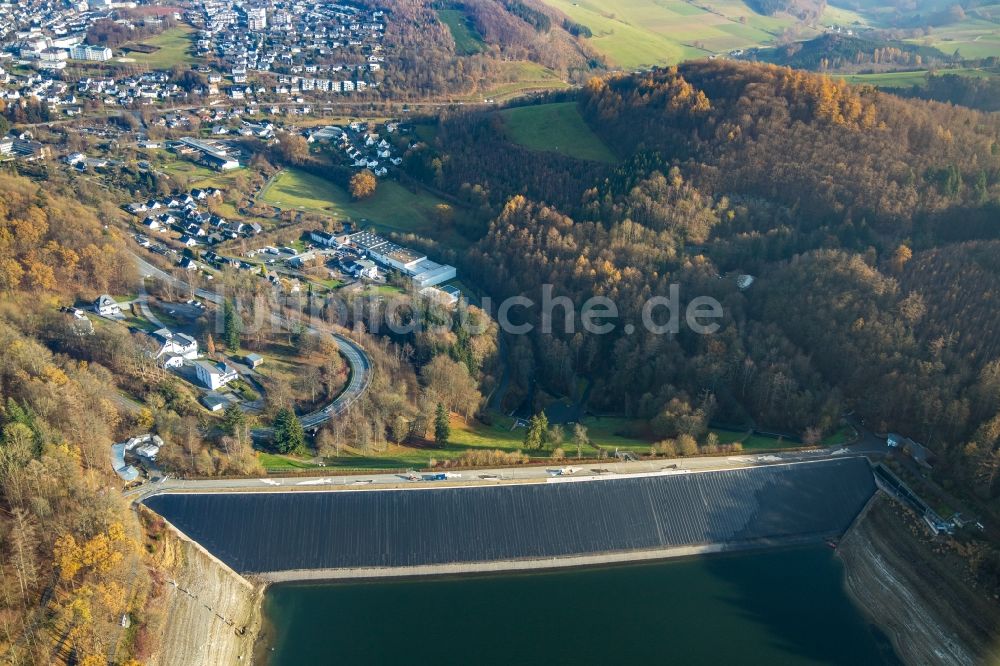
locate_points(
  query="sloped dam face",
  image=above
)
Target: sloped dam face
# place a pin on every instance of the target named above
(427, 530)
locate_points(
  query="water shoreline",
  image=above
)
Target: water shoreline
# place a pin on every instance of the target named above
(907, 590)
(583, 561)
(714, 574)
(263, 641)
(900, 640)
(260, 633)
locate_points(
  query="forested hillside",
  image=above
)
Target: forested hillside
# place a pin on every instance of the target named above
(428, 60)
(70, 556)
(869, 221)
(832, 51)
(972, 92)
(807, 10)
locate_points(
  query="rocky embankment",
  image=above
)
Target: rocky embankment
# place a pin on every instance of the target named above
(914, 591)
(207, 614)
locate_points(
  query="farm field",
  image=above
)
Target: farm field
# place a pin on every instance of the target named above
(174, 49)
(642, 33)
(467, 40)
(908, 79)
(971, 38)
(555, 128)
(392, 207)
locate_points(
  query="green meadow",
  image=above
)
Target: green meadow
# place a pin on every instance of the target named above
(642, 33)
(555, 128)
(909, 79)
(467, 40)
(173, 48)
(392, 207)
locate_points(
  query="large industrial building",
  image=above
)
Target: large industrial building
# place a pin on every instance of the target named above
(416, 265)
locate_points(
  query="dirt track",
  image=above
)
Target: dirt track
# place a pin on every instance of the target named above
(210, 615)
(914, 593)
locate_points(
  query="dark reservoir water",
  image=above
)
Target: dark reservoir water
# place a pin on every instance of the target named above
(781, 607)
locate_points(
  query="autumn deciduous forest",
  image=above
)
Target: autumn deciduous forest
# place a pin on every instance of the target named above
(66, 538)
(870, 222)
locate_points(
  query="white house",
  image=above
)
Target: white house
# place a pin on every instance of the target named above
(301, 260)
(176, 344)
(173, 362)
(363, 268)
(107, 306)
(215, 375)
(324, 238)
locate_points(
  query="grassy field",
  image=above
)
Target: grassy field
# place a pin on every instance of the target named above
(641, 33)
(556, 128)
(909, 79)
(467, 40)
(478, 436)
(754, 442)
(393, 207)
(605, 433)
(274, 462)
(198, 175)
(517, 78)
(971, 38)
(174, 49)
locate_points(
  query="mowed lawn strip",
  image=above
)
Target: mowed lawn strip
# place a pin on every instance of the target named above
(557, 128)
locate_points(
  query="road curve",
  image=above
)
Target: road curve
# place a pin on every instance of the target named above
(357, 359)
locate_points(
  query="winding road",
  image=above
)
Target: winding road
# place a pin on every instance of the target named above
(357, 360)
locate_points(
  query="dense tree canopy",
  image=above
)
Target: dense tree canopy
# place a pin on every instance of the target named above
(867, 219)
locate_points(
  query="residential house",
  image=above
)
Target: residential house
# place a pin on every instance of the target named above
(363, 268)
(107, 306)
(324, 238)
(214, 374)
(176, 344)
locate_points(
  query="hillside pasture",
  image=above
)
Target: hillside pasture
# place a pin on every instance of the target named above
(638, 33)
(557, 128)
(889, 80)
(467, 40)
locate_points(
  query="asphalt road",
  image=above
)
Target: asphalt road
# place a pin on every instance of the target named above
(563, 471)
(357, 360)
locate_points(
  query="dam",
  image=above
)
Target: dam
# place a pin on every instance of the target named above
(371, 532)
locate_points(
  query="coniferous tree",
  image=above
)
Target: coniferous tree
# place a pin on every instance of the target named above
(288, 433)
(442, 427)
(537, 434)
(232, 326)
